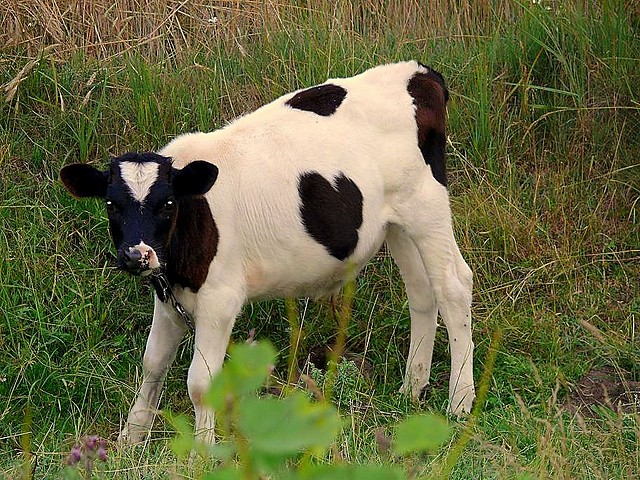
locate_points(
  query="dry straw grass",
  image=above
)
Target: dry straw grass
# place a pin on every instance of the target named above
(105, 27)
(165, 28)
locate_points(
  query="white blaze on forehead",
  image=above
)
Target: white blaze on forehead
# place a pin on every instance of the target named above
(139, 177)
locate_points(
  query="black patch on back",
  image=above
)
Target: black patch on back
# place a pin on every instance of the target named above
(430, 95)
(331, 215)
(323, 100)
(193, 243)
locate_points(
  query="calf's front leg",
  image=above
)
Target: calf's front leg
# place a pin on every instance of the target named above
(216, 312)
(167, 331)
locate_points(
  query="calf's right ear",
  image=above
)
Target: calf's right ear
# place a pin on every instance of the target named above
(83, 180)
(194, 179)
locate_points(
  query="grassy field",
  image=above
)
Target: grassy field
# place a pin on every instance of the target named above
(544, 135)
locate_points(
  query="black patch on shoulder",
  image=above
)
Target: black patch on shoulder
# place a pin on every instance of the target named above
(322, 100)
(193, 243)
(331, 214)
(430, 95)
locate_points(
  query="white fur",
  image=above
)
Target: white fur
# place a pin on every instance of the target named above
(264, 250)
(139, 178)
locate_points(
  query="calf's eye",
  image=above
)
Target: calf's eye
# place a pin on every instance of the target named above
(112, 208)
(167, 207)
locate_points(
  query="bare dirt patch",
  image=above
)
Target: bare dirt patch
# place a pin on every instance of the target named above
(604, 387)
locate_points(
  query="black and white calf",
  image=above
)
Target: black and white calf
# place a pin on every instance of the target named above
(291, 200)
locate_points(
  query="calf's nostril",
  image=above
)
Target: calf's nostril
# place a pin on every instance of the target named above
(133, 255)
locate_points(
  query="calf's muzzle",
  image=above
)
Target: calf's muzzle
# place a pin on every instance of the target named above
(140, 259)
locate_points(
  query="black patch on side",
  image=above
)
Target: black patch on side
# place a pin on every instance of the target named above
(430, 95)
(193, 243)
(331, 215)
(322, 100)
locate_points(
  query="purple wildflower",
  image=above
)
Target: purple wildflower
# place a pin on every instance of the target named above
(102, 449)
(90, 443)
(252, 336)
(75, 455)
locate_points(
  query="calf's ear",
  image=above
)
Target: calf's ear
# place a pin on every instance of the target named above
(83, 180)
(194, 179)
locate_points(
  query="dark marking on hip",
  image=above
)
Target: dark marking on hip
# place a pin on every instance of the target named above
(430, 96)
(331, 213)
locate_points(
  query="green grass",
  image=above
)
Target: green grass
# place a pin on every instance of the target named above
(545, 183)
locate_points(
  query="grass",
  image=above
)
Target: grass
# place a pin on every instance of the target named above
(544, 176)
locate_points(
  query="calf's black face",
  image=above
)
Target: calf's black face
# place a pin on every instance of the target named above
(142, 192)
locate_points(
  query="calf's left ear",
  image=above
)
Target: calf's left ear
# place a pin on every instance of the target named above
(83, 180)
(194, 179)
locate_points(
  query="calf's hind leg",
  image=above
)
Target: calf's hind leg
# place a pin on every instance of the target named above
(422, 307)
(426, 218)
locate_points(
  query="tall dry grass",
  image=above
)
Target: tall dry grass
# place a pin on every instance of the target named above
(105, 27)
(165, 28)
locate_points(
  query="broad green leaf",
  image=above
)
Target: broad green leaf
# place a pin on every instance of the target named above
(269, 463)
(229, 473)
(246, 370)
(420, 433)
(184, 442)
(350, 472)
(221, 451)
(183, 445)
(289, 425)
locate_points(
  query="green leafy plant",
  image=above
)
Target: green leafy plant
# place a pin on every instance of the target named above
(345, 386)
(288, 437)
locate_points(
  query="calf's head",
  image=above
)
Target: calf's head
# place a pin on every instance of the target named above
(142, 192)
